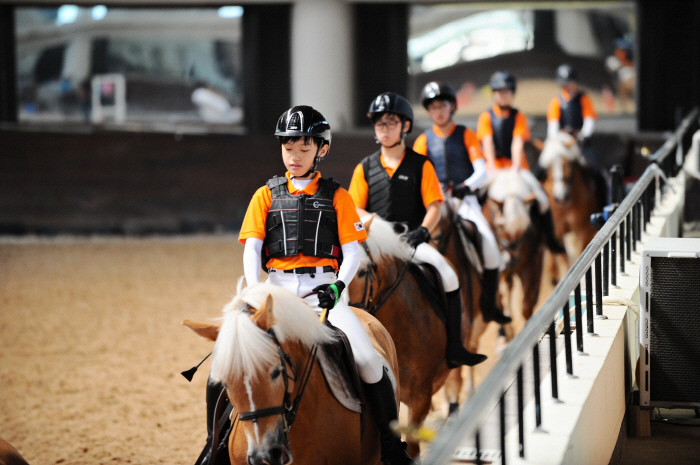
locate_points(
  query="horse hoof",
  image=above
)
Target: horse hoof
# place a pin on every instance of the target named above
(454, 408)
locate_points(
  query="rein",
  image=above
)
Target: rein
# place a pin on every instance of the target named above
(368, 294)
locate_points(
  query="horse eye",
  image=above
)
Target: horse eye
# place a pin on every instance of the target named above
(361, 273)
(276, 373)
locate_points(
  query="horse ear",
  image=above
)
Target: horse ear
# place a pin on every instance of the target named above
(369, 221)
(205, 330)
(263, 317)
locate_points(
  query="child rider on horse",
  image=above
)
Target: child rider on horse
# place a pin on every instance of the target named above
(459, 163)
(503, 131)
(401, 186)
(305, 232)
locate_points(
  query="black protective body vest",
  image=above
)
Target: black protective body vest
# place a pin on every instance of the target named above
(303, 223)
(571, 113)
(502, 129)
(449, 156)
(397, 198)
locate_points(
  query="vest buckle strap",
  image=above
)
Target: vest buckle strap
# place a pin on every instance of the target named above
(306, 270)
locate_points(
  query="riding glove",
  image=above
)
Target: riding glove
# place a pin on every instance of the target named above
(460, 191)
(328, 294)
(418, 236)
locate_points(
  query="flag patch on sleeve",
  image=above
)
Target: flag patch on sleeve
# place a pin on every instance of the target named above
(359, 226)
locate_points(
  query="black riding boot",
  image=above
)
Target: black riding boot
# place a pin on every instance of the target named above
(489, 289)
(214, 390)
(455, 354)
(381, 399)
(547, 227)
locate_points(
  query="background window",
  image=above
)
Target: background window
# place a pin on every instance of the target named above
(177, 65)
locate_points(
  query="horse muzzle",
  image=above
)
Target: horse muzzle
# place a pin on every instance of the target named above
(278, 455)
(274, 449)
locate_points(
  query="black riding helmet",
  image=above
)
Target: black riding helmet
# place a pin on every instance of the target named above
(566, 74)
(304, 121)
(437, 90)
(502, 80)
(389, 102)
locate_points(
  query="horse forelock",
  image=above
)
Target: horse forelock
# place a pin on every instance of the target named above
(242, 348)
(561, 145)
(515, 215)
(383, 242)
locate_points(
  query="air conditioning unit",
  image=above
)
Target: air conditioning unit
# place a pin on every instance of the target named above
(669, 327)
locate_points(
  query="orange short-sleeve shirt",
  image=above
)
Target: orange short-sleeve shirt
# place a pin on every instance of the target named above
(350, 227)
(554, 109)
(430, 185)
(470, 142)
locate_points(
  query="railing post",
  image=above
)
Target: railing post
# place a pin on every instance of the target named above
(599, 289)
(622, 245)
(589, 302)
(606, 268)
(502, 421)
(521, 419)
(536, 382)
(567, 339)
(579, 320)
(553, 361)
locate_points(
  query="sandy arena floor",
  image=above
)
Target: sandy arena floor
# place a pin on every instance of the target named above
(91, 346)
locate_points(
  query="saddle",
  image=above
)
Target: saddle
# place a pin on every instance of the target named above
(430, 284)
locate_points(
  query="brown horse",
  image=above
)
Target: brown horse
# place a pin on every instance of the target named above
(458, 249)
(285, 411)
(572, 190)
(386, 288)
(507, 209)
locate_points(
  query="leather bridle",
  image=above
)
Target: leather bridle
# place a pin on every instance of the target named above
(368, 296)
(288, 409)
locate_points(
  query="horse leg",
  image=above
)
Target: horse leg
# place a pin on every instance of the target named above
(417, 412)
(453, 386)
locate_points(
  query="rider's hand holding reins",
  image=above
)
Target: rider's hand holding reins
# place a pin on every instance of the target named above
(418, 236)
(460, 191)
(328, 294)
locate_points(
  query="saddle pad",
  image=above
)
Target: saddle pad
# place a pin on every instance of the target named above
(338, 366)
(430, 284)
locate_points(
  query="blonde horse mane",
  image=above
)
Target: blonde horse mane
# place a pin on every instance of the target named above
(560, 145)
(383, 242)
(509, 188)
(242, 349)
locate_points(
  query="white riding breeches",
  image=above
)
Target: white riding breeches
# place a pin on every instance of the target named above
(470, 210)
(428, 254)
(369, 362)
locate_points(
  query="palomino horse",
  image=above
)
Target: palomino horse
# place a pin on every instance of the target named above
(9, 455)
(264, 355)
(386, 288)
(572, 188)
(507, 209)
(450, 242)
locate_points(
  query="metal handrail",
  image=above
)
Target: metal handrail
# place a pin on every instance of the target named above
(475, 411)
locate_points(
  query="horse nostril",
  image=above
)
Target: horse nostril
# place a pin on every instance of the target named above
(278, 455)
